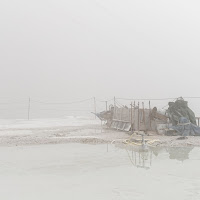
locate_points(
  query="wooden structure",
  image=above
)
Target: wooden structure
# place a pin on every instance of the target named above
(136, 119)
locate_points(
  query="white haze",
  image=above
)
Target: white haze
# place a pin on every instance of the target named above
(69, 50)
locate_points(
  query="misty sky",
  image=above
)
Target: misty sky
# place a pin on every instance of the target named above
(79, 49)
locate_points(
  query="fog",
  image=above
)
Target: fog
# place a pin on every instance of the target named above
(72, 50)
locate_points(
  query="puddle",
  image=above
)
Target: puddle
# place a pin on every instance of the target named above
(102, 172)
(144, 157)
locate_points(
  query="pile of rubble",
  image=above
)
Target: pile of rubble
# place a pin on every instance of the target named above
(178, 119)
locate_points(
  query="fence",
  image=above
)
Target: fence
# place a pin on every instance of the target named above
(134, 118)
(29, 108)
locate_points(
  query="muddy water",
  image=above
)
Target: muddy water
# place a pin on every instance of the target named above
(99, 172)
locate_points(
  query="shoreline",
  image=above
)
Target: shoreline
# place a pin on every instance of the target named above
(85, 134)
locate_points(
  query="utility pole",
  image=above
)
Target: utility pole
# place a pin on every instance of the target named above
(150, 114)
(106, 105)
(29, 107)
(95, 108)
(134, 119)
(138, 117)
(114, 108)
(144, 117)
(131, 118)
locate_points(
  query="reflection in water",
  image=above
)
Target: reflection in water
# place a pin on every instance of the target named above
(141, 156)
(179, 153)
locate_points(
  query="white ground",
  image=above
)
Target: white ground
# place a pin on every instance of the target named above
(53, 131)
(45, 123)
(93, 172)
(39, 160)
(72, 129)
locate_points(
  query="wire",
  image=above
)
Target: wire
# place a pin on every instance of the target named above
(61, 103)
(191, 97)
(146, 99)
(67, 110)
(120, 105)
(13, 102)
(104, 100)
(161, 99)
(167, 104)
(65, 103)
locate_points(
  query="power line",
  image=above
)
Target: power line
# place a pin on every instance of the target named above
(8, 103)
(119, 104)
(146, 99)
(161, 99)
(104, 100)
(66, 110)
(61, 103)
(191, 97)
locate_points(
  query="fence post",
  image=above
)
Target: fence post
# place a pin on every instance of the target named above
(144, 119)
(138, 117)
(95, 108)
(131, 118)
(150, 114)
(29, 107)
